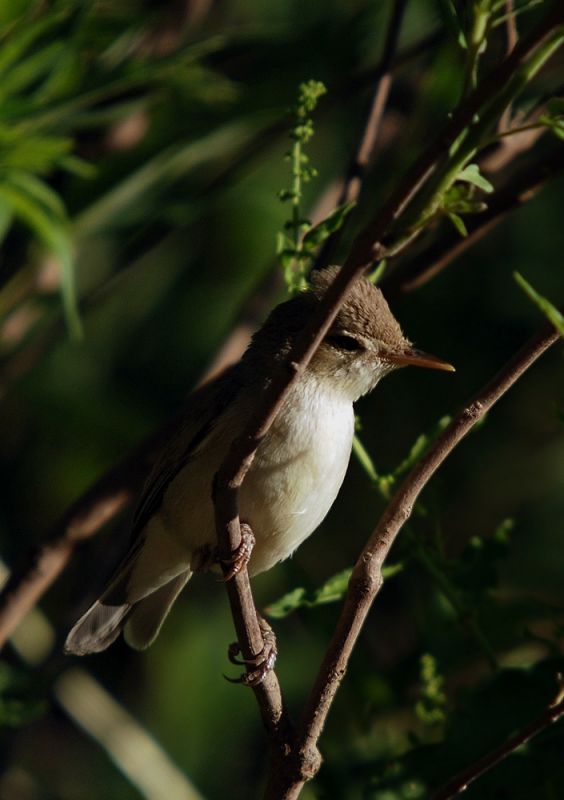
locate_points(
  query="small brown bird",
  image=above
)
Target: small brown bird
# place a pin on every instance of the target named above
(294, 479)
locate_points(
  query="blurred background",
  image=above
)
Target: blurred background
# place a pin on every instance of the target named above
(141, 152)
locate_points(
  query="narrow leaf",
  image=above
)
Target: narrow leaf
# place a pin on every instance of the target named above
(550, 311)
(332, 590)
(471, 174)
(318, 234)
(458, 223)
(53, 232)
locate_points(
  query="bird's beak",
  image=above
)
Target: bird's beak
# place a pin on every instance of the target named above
(417, 358)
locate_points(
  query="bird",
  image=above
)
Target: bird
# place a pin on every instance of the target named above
(294, 478)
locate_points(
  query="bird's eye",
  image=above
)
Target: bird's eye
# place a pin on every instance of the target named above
(344, 342)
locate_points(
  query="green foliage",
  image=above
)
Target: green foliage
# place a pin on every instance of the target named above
(294, 251)
(63, 71)
(20, 702)
(385, 483)
(430, 708)
(329, 592)
(550, 311)
(554, 119)
(141, 148)
(485, 717)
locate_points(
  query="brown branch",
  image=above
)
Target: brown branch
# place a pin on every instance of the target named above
(354, 177)
(510, 26)
(512, 37)
(365, 153)
(520, 188)
(21, 361)
(293, 766)
(239, 589)
(112, 492)
(367, 248)
(366, 579)
(39, 568)
(90, 512)
(460, 783)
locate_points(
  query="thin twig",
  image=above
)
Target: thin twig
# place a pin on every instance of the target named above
(239, 589)
(366, 579)
(103, 501)
(461, 782)
(520, 188)
(21, 361)
(293, 766)
(510, 26)
(355, 175)
(512, 37)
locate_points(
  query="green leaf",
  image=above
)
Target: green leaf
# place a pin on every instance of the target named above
(14, 45)
(31, 153)
(471, 174)
(376, 274)
(458, 223)
(124, 203)
(550, 311)
(19, 701)
(431, 706)
(420, 446)
(556, 124)
(40, 208)
(451, 17)
(24, 75)
(332, 590)
(320, 232)
(6, 218)
(365, 460)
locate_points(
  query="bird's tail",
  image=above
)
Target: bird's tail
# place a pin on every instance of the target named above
(140, 618)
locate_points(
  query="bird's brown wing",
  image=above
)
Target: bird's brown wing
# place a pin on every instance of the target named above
(204, 408)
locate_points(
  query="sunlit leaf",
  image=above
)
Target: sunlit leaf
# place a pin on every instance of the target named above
(332, 590)
(471, 174)
(320, 232)
(39, 208)
(550, 311)
(458, 223)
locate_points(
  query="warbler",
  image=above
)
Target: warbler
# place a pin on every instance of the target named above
(296, 474)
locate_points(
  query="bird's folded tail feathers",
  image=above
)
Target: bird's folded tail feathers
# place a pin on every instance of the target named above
(97, 629)
(141, 621)
(146, 617)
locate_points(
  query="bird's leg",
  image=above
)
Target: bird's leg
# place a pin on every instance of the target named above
(240, 557)
(263, 662)
(207, 556)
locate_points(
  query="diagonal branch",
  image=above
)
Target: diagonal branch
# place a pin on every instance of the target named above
(367, 248)
(292, 766)
(366, 579)
(354, 179)
(519, 189)
(552, 713)
(108, 496)
(103, 501)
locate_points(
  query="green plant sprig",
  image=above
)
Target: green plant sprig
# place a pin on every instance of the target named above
(298, 242)
(290, 247)
(550, 311)
(436, 198)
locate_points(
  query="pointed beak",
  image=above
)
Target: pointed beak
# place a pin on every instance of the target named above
(417, 358)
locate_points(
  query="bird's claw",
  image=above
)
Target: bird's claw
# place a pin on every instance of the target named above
(262, 662)
(241, 556)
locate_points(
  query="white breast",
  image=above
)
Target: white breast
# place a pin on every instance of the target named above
(293, 481)
(297, 472)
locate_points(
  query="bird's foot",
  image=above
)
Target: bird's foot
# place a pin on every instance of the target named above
(260, 665)
(240, 557)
